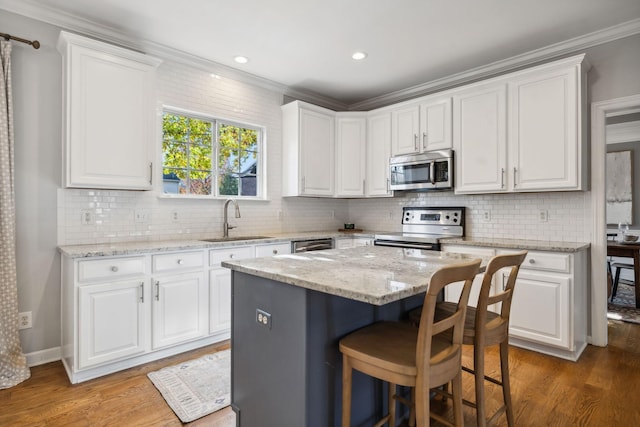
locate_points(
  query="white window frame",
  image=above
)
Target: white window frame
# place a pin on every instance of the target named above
(261, 175)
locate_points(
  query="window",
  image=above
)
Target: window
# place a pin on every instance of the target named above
(210, 157)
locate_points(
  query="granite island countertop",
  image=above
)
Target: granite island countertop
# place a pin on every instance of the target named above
(372, 274)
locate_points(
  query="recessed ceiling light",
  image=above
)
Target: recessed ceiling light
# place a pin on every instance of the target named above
(241, 59)
(359, 56)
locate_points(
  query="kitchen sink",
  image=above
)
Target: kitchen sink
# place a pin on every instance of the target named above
(234, 238)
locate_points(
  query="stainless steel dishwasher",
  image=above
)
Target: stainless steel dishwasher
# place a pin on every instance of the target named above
(299, 246)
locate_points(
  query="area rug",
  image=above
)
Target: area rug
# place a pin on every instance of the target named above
(198, 387)
(623, 306)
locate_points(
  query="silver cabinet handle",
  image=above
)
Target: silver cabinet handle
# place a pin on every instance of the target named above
(142, 292)
(502, 179)
(304, 184)
(415, 141)
(532, 261)
(114, 268)
(388, 186)
(157, 290)
(180, 262)
(230, 255)
(515, 181)
(424, 140)
(150, 173)
(275, 252)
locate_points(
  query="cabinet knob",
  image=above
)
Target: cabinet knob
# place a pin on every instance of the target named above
(180, 262)
(532, 261)
(114, 268)
(230, 255)
(275, 251)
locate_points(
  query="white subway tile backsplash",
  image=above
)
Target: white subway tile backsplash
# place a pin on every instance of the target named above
(512, 215)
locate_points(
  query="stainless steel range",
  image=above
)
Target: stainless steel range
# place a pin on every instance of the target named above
(424, 228)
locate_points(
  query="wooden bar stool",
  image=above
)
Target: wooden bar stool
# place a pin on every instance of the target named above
(484, 328)
(421, 358)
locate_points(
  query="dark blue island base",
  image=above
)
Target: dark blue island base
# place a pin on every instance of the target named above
(286, 366)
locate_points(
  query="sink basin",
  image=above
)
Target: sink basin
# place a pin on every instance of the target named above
(234, 238)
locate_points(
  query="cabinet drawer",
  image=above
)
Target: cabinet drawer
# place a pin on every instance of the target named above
(240, 252)
(110, 268)
(547, 262)
(178, 261)
(274, 249)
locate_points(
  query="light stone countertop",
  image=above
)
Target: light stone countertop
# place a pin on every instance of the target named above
(519, 244)
(372, 274)
(142, 247)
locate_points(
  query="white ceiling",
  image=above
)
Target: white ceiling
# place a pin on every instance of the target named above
(307, 45)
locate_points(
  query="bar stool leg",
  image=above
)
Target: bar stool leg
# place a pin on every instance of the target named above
(346, 392)
(478, 367)
(506, 386)
(392, 405)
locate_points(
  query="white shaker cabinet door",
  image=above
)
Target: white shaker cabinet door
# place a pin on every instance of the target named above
(110, 110)
(317, 142)
(180, 306)
(405, 129)
(378, 153)
(541, 310)
(350, 158)
(479, 139)
(544, 131)
(112, 321)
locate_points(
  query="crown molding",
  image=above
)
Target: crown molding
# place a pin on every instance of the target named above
(101, 32)
(93, 29)
(556, 50)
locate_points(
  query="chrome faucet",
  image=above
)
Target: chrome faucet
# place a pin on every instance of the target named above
(226, 227)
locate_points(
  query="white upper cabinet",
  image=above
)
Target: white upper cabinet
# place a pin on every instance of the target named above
(523, 131)
(479, 139)
(544, 130)
(351, 138)
(424, 126)
(378, 153)
(308, 147)
(109, 126)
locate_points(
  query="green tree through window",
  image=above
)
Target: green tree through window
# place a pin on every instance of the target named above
(189, 146)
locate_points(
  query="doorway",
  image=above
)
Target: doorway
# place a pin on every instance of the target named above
(600, 111)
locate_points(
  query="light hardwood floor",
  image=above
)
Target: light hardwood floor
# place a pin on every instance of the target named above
(602, 389)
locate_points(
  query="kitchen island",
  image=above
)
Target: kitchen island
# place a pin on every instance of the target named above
(290, 311)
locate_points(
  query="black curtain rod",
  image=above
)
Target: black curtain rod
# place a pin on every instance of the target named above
(34, 43)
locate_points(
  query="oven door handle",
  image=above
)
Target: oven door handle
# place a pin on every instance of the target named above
(313, 247)
(403, 245)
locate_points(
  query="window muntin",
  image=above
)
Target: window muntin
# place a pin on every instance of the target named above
(189, 146)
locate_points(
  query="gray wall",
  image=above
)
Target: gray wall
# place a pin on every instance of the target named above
(38, 114)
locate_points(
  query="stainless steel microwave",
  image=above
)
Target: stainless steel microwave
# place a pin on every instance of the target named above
(432, 170)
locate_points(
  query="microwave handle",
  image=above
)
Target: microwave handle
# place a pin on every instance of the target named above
(432, 172)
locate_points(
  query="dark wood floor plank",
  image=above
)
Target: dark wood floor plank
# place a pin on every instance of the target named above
(602, 389)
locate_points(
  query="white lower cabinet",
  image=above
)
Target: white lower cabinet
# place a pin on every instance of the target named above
(180, 309)
(549, 306)
(112, 320)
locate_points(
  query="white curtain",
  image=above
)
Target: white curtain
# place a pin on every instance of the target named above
(13, 364)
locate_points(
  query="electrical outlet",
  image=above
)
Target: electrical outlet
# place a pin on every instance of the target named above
(175, 217)
(141, 215)
(87, 217)
(543, 215)
(25, 320)
(486, 215)
(263, 318)
(332, 214)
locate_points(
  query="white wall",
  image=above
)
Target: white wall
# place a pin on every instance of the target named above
(49, 215)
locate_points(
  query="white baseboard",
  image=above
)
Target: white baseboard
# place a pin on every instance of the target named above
(43, 356)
